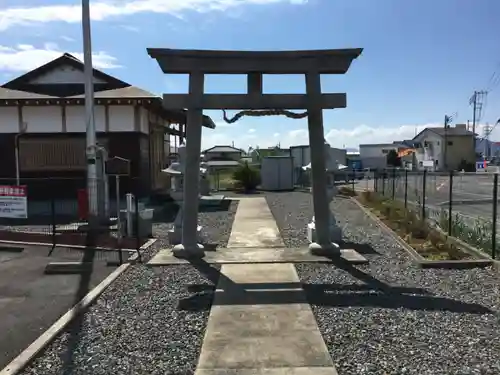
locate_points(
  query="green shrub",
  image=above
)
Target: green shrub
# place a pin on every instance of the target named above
(477, 233)
(246, 177)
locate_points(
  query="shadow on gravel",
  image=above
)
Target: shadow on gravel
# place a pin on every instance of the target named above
(374, 293)
(362, 248)
(75, 329)
(222, 206)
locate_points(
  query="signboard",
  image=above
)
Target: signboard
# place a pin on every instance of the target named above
(118, 166)
(481, 164)
(13, 202)
(428, 163)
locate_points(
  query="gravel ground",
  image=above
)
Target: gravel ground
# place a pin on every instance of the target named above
(216, 225)
(136, 327)
(292, 212)
(438, 322)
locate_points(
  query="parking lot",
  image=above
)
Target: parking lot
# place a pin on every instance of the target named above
(30, 301)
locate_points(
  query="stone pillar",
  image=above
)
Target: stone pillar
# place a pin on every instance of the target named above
(321, 205)
(189, 246)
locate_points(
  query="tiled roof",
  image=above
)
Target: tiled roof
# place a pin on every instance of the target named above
(16, 94)
(223, 149)
(129, 92)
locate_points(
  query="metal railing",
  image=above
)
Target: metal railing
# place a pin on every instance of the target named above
(52, 211)
(465, 205)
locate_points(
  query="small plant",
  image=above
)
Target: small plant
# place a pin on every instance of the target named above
(246, 177)
(408, 224)
(476, 233)
(343, 190)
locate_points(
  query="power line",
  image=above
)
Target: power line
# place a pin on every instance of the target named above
(494, 80)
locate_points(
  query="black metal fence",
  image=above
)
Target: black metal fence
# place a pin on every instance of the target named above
(53, 211)
(465, 205)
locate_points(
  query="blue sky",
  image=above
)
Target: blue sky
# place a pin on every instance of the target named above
(422, 59)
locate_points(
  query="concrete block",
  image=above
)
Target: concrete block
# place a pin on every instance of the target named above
(175, 235)
(335, 233)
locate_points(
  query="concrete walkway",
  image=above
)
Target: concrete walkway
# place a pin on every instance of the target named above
(254, 225)
(255, 328)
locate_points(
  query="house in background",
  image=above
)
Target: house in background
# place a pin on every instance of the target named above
(432, 144)
(222, 156)
(44, 112)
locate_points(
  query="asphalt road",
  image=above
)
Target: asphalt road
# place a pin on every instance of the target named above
(30, 302)
(472, 193)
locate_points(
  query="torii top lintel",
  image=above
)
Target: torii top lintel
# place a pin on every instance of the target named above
(179, 61)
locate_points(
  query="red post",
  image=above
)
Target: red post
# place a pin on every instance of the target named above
(83, 204)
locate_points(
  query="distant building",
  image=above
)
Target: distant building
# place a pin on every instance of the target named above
(353, 160)
(374, 156)
(223, 156)
(43, 111)
(438, 148)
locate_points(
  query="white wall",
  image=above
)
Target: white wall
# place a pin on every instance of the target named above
(75, 119)
(121, 118)
(432, 152)
(42, 119)
(9, 120)
(376, 150)
(302, 155)
(375, 156)
(48, 119)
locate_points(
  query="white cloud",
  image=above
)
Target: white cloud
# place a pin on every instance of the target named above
(105, 9)
(68, 38)
(24, 57)
(133, 29)
(350, 137)
(251, 130)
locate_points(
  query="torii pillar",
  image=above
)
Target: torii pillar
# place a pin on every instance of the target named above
(197, 63)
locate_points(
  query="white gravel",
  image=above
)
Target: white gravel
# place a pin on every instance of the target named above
(450, 326)
(136, 327)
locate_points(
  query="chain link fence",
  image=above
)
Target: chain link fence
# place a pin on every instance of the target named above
(465, 205)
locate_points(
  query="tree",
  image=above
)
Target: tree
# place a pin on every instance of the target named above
(393, 160)
(246, 177)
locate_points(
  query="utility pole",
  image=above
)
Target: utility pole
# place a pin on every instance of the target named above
(476, 101)
(486, 139)
(91, 149)
(447, 120)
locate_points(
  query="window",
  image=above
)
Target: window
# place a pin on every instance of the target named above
(385, 151)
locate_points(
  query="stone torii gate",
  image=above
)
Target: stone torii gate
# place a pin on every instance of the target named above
(197, 63)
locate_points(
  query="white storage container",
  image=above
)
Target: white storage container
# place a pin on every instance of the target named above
(277, 173)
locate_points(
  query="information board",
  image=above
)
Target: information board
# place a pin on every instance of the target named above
(13, 202)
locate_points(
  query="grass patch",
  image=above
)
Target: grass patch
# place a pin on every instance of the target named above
(427, 241)
(475, 232)
(347, 191)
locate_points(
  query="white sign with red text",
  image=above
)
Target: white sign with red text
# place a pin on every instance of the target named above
(13, 202)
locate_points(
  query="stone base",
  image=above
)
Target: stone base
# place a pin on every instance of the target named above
(242, 255)
(335, 233)
(175, 235)
(180, 251)
(322, 250)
